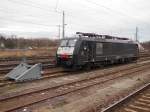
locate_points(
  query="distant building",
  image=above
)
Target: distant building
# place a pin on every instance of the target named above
(2, 45)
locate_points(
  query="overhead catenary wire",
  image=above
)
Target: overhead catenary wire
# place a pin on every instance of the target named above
(28, 22)
(34, 5)
(38, 6)
(57, 2)
(102, 6)
(107, 8)
(116, 11)
(70, 14)
(27, 15)
(24, 15)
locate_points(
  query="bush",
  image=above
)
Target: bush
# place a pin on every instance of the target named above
(13, 42)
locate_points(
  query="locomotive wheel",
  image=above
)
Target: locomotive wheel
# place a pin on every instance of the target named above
(88, 66)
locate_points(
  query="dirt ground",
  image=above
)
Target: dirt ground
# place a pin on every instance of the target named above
(55, 81)
(97, 97)
(28, 53)
(88, 100)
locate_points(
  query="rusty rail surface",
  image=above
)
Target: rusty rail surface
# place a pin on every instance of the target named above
(115, 106)
(35, 96)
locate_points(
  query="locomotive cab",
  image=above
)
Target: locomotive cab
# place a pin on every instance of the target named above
(65, 52)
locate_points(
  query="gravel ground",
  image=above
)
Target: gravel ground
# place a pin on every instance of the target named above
(52, 81)
(93, 98)
(97, 97)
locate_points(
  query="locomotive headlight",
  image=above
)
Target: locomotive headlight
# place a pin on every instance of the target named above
(59, 50)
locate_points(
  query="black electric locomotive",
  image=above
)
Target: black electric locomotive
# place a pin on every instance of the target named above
(89, 49)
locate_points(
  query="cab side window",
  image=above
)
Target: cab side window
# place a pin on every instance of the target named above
(84, 49)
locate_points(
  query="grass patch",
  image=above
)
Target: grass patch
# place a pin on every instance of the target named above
(28, 53)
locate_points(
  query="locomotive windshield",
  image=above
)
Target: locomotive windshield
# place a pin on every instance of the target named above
(68, 43)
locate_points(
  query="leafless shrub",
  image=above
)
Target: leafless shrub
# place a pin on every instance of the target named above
(13, 42)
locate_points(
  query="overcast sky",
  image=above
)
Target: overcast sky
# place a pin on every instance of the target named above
(38, 18)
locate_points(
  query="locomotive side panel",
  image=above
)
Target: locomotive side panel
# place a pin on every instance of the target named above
(115, 51)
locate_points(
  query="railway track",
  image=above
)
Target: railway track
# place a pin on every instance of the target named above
(144, 59)
(15, 63)
(5, 68)
(138, 101)
(144, 54)
(7, 64)
(46, 63)
(47, 74)
(59, 72)
(44, 67)
(10, 103)
(8, 59)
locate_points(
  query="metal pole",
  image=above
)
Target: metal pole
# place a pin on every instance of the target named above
(58, 31)
(136, 34)
(63, 25)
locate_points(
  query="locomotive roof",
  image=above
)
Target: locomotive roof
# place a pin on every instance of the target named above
(107, 40)
(102, 39)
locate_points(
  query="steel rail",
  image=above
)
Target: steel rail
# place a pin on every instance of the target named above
(92, 83)
(125, 99)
